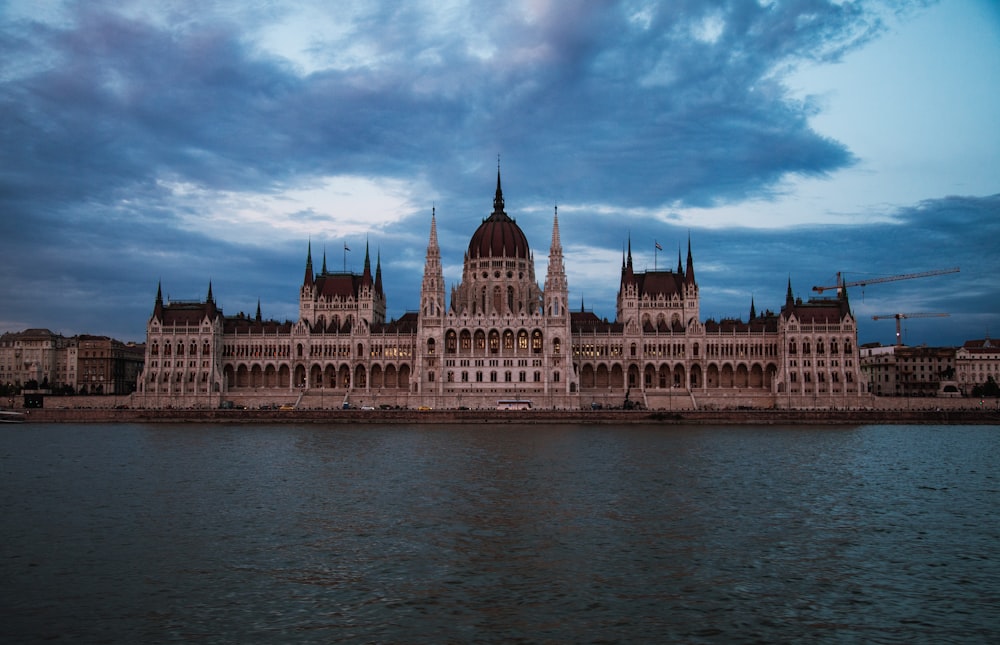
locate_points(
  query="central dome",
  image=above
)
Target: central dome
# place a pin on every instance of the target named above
(498, 235)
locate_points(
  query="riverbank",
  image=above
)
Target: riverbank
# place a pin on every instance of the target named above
(548, 417)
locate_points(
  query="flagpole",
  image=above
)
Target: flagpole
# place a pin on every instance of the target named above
(345, 256)
(656, 248)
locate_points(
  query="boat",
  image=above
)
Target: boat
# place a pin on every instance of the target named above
(10, 416)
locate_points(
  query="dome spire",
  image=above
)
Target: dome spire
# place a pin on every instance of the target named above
(498, 198)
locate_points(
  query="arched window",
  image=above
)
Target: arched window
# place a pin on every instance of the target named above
(430, 345)
(497, 302)
(510, 298)
(536, 341)
(494, 341)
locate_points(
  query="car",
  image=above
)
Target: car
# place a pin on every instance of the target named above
(367, 407)
(423, 408)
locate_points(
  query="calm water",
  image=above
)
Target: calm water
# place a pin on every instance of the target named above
(204, 533)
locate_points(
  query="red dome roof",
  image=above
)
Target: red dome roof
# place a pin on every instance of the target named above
(499, 235)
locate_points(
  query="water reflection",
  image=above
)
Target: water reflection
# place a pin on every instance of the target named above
(498, 533)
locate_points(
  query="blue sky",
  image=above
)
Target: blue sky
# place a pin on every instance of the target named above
(145, 142)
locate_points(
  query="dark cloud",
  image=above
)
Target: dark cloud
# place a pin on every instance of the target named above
(626, 105)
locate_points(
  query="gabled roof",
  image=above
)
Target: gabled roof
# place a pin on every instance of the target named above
(188, 313)
(657, 283)
(338, 285)
(817, 310)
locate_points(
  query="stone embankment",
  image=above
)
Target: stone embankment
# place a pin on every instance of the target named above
(979, 416)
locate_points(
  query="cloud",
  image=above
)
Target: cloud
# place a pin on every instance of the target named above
(141, 142)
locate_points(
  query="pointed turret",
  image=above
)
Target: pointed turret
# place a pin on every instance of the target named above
(308, 280)
(789, 298)
(258, 310)
(366, 277)
(378, 273)
(680, 269)
(689, 273)
(753, 309)
(158, 307)
(628, 275)
(324, 261)
(210, 309)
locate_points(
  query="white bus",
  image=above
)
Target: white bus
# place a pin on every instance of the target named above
(513, 404)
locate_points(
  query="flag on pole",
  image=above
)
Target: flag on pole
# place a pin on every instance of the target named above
(345, 247)
(658, 247)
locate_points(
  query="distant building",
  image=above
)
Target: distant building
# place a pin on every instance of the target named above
(107, 366)
(34, 356)
(500, 336)
(81, 364)
(976, 362)
(901, 370)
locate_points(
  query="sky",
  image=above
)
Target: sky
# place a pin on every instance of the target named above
(181, 144)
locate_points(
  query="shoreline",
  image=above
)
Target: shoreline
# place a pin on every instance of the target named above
(942, 416)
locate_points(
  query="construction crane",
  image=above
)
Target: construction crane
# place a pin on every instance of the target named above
(841, 285)
(899, 317)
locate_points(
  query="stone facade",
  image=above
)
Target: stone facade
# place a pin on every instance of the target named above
(500, 337)
(82, 364)
(976, 362)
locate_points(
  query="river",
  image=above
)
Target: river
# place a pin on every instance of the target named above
(499, 533)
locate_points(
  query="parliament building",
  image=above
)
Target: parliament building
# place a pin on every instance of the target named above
(499, 339)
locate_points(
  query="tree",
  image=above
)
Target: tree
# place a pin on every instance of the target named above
(990, 388)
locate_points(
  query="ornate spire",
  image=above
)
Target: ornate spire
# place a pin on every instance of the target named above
(209, 297)
(556, 243)
(498, 198)
(434, 230)
(789, 298)
(556, 291)
(680, 269)
(258, 310)
(378, 272)
(324, 261)
(432, 288)
(753, 309)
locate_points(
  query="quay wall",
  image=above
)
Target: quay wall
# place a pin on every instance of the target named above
(968, 416)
